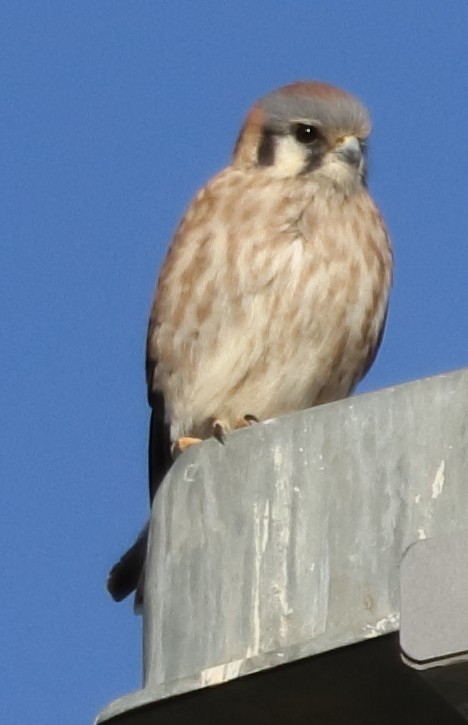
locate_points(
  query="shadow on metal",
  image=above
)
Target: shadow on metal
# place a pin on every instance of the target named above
(363, 684)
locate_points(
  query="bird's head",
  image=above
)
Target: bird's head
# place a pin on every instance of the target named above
(304, 128)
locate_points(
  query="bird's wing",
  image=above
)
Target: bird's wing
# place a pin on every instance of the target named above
(159, 444)
(128, 573)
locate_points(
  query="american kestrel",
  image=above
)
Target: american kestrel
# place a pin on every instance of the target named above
(273, 294)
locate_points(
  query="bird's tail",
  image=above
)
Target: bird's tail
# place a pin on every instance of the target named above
(128, 573)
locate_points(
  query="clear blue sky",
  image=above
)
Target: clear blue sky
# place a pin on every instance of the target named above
(113, 113)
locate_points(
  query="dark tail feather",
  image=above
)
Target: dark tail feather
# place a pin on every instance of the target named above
(125, 575)
(128, 573)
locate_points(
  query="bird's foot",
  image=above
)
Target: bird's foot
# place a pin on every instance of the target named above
(219, 430)
(181, 444)
(246, 421)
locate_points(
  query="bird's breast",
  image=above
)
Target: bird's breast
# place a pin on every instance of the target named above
(283, 308)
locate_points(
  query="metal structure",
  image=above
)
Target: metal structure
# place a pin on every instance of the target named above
(279, 553)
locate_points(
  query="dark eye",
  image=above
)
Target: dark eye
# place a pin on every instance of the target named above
(304, 133)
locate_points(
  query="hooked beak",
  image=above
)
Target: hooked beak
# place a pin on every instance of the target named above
(350, 150)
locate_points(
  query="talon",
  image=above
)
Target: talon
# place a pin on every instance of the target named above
(249, 419)
(181, 444)
(218, 431)
(246, 421)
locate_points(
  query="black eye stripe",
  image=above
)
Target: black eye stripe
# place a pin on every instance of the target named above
(266, 149)
(305, 133)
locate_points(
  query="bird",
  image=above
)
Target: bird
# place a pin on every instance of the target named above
(274, 292)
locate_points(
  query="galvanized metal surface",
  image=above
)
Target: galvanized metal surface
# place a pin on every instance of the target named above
(434, 614)
(286, 541)
(434, 600)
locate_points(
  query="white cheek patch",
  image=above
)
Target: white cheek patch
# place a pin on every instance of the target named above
(290, 157)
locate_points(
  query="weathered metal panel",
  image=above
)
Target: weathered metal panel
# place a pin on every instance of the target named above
(286, 541)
